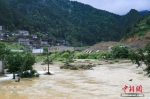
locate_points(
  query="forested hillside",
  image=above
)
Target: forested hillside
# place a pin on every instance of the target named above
(140, 28)
(65, 19)
(130, 17)
(9, 17)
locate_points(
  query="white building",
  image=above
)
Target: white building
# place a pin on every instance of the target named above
(37, 51)
(23, 32)
(34, 35)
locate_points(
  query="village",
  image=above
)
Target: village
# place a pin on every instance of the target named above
(33, 42)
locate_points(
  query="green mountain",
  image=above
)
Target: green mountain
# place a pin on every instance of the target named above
(65, 19)
(140, 28)
(130, 17)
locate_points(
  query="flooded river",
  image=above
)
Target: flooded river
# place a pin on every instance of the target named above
(104, 82)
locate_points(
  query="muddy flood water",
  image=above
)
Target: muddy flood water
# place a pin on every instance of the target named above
(104, 82)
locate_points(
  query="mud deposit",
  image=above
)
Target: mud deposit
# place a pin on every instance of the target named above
(104, 82)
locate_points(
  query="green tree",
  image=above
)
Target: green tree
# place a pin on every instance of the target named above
(2, 50)
(14, 62)
(120, 51)
(142, 56)
(3, 53)
(20, 62)
(29, 60)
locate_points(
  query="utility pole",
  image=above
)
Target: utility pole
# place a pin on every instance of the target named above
(48, 62)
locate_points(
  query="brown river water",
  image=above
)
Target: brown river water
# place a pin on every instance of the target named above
(104, 82)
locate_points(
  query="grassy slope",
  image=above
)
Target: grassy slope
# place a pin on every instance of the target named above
(14, 46)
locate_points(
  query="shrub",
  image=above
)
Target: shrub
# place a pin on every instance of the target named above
(116, 61)
(81, 56)
(60, 59)
(120, 51)
(142, 56)
(53, 55)
(33, 72)
(75, 68)
(65, 55)
(101, 54)
(30, 73)
(92, 56)
(26, 74)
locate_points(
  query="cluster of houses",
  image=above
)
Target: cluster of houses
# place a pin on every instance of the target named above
(32, 41)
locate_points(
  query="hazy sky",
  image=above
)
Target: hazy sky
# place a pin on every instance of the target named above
(118, 6)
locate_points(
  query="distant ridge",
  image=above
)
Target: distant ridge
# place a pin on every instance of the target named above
(144, 12)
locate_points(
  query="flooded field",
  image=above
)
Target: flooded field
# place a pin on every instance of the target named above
(104, 82)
